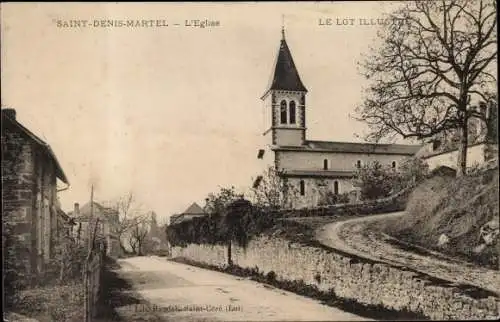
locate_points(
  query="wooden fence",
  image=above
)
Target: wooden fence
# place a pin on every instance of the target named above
(92, 282)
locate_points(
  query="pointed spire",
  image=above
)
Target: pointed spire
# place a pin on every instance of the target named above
(285, 75)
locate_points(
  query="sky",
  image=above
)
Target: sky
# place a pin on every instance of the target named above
(173, 113)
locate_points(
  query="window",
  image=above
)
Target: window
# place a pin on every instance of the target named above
(358, 164)
(257, 181)
(394, 164)
(325, 164)
(435, 145)
(336, 187)
(302, 188)
(292, 112)
(283, 112)
(261, 154)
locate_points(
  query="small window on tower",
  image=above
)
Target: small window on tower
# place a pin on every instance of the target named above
(292, 112)
(261, 154)
(257, 181)
(336, 187)
(283, 117)
(302, 188)
(325, 164)
(394, 164)
(358, 164)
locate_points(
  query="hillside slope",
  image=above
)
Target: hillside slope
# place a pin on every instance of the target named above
(457, 216)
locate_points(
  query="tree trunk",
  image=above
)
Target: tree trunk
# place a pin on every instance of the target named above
(462, 150)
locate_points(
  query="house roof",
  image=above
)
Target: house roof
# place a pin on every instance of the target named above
(351, 147)
(318, 173)
(98, 211)
(194, 209)
(65, 217)
(177, 218)
(285, 75)
(35, 139)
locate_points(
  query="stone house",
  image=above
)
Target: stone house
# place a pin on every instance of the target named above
(30, 177)
(107, 225)
(442, 150)
(191, 212)
(65, 224)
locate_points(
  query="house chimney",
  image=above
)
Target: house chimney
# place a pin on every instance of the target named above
(76, 213)
(9, 112)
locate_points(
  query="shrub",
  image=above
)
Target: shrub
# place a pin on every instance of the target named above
(68, 261)
(411, 171)
(271, 277)
(375, 181)
(239, 225)
(330, 198)
(317, 278)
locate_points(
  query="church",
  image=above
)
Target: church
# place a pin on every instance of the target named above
(311, 165)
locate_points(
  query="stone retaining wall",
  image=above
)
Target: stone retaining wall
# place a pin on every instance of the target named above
(367, 283)
(393, 203)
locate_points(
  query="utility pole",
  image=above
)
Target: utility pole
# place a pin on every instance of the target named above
(88, 286)
(91, 218)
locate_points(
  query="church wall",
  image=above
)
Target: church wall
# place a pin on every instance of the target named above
(313, 189)
(296, 160)
(267, 116)
(287, 137)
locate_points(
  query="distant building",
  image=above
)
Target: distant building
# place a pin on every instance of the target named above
(30, 177)
(191, 212)
(107, 225)
(442, 150)
(65, 224)
(157, 234)
(311, 166)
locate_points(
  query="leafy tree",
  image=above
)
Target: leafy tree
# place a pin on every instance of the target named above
(216, 203)
(375, 181)
(412, 171)
(432, 70)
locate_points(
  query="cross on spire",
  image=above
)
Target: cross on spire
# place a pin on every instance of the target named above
(283, 26)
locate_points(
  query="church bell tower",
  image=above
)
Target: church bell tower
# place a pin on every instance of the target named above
(285, 102)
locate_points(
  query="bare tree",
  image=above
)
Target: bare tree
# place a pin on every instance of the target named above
(435, 66)
(138, 233)
(130, 216)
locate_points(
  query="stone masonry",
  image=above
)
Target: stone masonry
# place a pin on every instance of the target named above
(368, 283)
(29, 194)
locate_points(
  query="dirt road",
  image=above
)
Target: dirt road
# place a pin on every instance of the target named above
(186, 293)
(352, 237)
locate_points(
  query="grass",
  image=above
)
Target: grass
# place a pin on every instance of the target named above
(457, 207)
(378, 312)
(52, 302)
